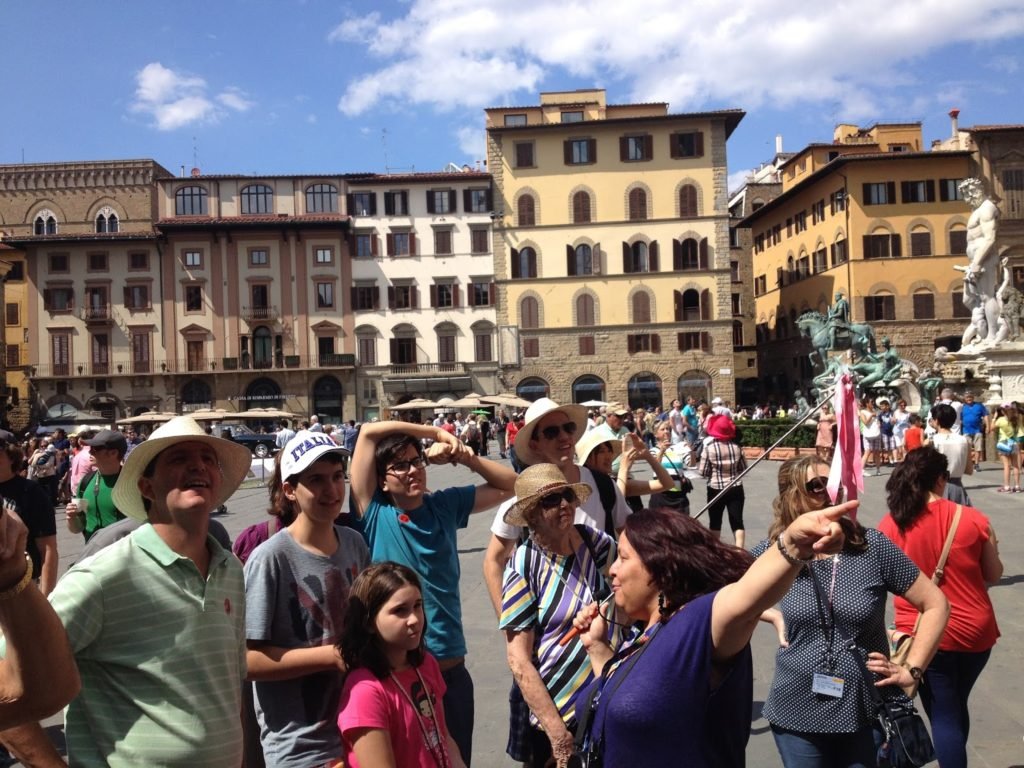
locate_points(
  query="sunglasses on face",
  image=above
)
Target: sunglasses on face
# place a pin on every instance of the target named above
(555, 499)
(817, 487)
(551, 433)
(405, 467)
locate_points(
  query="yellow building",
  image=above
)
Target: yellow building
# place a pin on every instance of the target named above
(611, 250)
(875, 218)
(15, 356)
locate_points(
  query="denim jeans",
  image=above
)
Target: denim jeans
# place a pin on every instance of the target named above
(459, 708)
(944, 691)
(828, 750)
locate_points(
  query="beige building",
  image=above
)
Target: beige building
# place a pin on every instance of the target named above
(874, 217)
(15, 336)
(611, 255)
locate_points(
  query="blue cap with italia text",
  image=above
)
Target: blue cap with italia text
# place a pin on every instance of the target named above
(304, 449)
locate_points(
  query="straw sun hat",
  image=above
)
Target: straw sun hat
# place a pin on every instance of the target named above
(235, 460)
(535, 483)
(537, 411)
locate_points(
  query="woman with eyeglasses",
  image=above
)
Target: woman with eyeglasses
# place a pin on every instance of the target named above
(557, 571)
(817, 721)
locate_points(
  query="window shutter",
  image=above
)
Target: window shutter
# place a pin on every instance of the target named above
(930, 190)
(655, 343)
(374, 248)
(648, 147)
(890, 192)
(905, 191)
(470, 295)
(393, 343)
(391, 297)
(677, 306)
(567, 151)
(350, 240)
(677, 255)
(490, 200)
(673, 145)
(631, 344)
(352, 296)
(897, 246)
(698, 144)
(652, 250)
(627, 253)
(623, 148)
(414, 297)
(350, 204)
(703, 253)
(515, 264)
(491, 293)
(866, 193)
(412, 243)
(48, 298)
(705, 341)
(455, 294)
(681, 341)
(832, 251)
(373, 203)
(570, 260)
(389, 203)
(390, 240)
(532, 266)
(127, 298)
(376, 297)
(596, 258)
(705, 304)
(433, 295)
(430, 202)
(592, 150)
(467, 200)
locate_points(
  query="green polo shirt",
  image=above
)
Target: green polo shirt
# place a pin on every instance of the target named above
(161, 652)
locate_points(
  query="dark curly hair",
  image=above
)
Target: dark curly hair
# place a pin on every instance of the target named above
(910, 483)
(683, 557)
(360, 645)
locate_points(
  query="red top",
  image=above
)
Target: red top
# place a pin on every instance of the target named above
(972, 620)
(510, 433)
(913, 437)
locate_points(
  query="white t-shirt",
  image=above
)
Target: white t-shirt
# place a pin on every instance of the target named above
(956, 449)
(956, 405)
(590, 513)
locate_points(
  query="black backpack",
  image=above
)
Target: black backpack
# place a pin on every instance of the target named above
(606, 490)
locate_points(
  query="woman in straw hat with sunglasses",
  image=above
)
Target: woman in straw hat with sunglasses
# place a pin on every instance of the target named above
(815, 721)
(551, 576)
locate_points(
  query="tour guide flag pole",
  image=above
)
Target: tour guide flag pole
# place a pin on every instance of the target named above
(847, 470)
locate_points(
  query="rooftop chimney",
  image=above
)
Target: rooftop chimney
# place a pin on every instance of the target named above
(778, 144)
(954, 114)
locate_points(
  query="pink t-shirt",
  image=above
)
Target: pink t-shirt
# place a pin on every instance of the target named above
(367, 702)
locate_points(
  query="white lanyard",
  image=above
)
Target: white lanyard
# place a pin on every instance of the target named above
(441, 754)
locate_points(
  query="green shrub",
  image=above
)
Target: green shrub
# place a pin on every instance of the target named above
(763, 433)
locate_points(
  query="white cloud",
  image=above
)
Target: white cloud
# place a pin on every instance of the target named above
(738, 178)
(471, 142)
(175, 100)
(470, 53)
(311, 118)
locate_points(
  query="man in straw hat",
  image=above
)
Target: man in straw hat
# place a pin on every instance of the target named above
(157, 620)
(404, 522)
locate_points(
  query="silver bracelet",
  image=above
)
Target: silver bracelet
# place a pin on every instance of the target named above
(785, 553)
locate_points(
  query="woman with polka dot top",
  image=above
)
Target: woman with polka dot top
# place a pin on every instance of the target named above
(819, 707)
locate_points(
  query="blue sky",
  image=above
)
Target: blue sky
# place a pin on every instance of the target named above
(297, 86)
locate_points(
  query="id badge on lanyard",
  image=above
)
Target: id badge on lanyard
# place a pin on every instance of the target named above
(826, 683)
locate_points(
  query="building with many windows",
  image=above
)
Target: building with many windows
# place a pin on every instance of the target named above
(15, 337)
(875, 217)
(611, 252)
(422, 294)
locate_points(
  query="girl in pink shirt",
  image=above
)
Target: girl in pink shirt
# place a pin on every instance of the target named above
(391, 712)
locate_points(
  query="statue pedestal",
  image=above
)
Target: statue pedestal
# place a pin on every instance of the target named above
(1001, 367)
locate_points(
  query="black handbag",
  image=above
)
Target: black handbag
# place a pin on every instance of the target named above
(907, 741)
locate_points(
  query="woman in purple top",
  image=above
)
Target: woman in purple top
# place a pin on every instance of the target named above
(684, 685)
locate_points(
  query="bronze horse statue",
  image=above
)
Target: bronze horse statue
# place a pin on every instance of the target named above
(817, 329)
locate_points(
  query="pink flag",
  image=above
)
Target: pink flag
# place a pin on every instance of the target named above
(846, 471)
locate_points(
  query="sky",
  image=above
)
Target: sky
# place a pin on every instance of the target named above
(309, 86)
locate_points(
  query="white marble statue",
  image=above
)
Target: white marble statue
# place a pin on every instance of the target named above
(981, 275)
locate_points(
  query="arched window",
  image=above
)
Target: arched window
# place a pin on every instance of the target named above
(529, 313)
(641, 307)
(587, 388)
(327, 398)
(526, 211)
(583, 260)
(920, 241)
(644, 391)
(639, 260)
(689, 255)
(196, 394)
(581, 208)
(532, 388)
(524, 262)
(688, 305)
(106, 220)
(190, 201)
(924, 305)
(45, 224)
(585, 309)
(687, 201)
(637, 205)
(321, 198)
(737, 333)
(257, 198)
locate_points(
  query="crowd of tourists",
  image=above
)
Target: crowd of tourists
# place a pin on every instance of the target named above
(335, 626)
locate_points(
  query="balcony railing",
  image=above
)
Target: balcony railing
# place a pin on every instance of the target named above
(95, 314)
(259, 314)
(187, 366)
(419, 369)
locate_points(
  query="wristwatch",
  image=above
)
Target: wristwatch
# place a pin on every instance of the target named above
(915, 672)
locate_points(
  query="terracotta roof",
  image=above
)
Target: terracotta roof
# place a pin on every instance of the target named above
(83, 237)
(732, 119)
(409, 178)
(259, 219)
(255, 176)
(993, 128)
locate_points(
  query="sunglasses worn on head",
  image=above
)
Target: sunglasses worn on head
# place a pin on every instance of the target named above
(404, 467)
(553, 500)
(551, 433)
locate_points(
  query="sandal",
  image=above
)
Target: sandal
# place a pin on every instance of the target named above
(1004, 489)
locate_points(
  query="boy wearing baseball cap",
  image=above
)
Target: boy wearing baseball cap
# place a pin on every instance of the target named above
(296, 592)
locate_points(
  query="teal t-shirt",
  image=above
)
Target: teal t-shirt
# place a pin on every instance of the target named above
(425, 540)
(102, 512)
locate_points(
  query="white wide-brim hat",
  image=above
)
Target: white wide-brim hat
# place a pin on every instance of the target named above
(594, 438)
(235, 460)
(537, 411)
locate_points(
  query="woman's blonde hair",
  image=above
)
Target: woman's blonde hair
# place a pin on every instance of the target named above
(794, 500)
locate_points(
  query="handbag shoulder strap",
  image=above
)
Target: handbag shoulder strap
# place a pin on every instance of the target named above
(940, 568)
